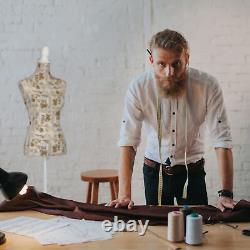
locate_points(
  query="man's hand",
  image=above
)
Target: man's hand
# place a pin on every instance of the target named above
(124, 202)
(225, 202)
(125, 175)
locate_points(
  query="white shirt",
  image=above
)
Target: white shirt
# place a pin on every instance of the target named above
(205, 106)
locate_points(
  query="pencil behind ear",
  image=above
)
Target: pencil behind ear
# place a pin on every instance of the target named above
(150, 56)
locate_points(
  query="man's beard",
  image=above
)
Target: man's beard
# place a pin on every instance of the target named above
(175, 88)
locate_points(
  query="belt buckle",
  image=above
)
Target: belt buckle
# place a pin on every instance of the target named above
(168, 170)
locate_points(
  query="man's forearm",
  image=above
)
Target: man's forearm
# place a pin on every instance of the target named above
(125, 171)
(225, 162)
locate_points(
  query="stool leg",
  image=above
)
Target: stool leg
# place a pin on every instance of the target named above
(89, 192)
(112, 190)
(116, 187)
(95, 189)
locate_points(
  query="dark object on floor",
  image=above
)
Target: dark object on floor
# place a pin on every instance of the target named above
(2, 238)
(246, 232)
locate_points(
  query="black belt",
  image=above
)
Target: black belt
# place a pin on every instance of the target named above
(176, 169)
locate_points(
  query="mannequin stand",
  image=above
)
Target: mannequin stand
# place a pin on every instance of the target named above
(45, 174)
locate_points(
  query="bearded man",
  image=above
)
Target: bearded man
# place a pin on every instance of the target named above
(176, 103)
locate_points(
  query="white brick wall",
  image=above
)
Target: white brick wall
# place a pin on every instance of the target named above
(97, 47)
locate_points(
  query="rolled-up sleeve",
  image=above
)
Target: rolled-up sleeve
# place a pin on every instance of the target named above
(130, 132)
(217, 118)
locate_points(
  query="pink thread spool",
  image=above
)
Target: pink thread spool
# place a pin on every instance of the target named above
(175, 226)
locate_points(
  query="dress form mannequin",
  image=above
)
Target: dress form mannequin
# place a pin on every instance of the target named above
(43, 96)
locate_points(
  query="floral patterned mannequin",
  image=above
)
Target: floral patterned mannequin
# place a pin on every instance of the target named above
(43, 96)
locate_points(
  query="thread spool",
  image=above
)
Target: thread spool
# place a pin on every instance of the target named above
(175, 226)
(194, 229)
(186, 210)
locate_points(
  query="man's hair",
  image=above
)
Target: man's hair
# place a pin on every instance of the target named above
(169, 39)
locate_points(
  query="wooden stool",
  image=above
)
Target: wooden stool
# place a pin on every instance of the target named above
(94, 177)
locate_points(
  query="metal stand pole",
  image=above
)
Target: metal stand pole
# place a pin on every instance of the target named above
(45, 174)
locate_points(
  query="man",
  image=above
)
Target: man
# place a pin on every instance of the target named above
(175, 103)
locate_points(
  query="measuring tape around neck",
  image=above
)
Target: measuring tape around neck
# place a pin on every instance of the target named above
(159, 132)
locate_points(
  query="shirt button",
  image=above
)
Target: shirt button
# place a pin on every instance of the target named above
(173, 113)
(173, 130)
(173, 144)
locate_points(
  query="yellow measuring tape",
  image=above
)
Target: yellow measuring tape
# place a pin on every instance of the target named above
(159, 131)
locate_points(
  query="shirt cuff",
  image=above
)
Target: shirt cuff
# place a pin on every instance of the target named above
(223, 144)
(129, 142)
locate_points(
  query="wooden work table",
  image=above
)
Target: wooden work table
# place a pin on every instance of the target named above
(219, 237)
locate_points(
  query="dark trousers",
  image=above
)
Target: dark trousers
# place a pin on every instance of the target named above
(173, 185)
